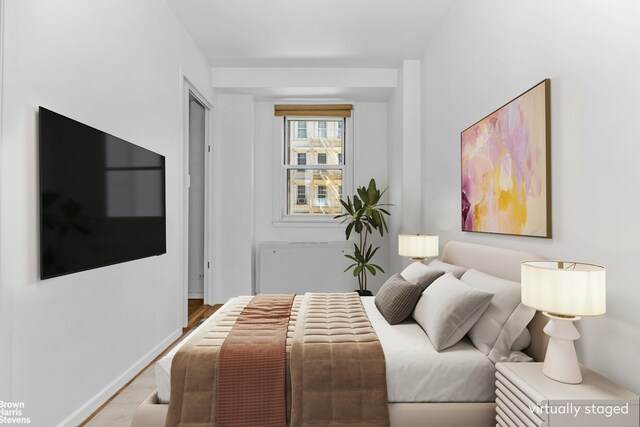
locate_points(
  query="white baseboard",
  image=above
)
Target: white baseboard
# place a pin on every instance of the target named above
(94, 403)
(196, 295)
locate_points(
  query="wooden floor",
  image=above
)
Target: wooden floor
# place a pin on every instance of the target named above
(197, 311)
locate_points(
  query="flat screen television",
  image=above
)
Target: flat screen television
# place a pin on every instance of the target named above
(102, 199)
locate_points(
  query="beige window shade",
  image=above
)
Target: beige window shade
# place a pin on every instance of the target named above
(317, 110)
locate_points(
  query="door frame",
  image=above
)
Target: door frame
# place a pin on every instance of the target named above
(188, 89)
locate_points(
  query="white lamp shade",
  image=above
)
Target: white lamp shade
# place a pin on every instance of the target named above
(418, 245)
(564, 288)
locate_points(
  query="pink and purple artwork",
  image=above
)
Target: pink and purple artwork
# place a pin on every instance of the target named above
(505, 161)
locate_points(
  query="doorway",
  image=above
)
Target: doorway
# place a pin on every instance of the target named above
(196, 221)
(196, 213)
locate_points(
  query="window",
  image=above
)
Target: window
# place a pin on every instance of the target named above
(302, 195)
(321, 173)
(301, 130)
(322, 129)
(321, 199)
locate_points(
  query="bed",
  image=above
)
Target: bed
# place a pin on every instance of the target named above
(424, 387)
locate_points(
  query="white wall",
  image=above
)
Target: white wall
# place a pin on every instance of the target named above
(6, 309)
(488, 52)
(405, 175)
(370, 153)
(74, 340)
(233, 265)
(395, 151)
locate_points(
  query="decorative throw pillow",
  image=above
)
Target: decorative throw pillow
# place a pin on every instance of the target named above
(456, 270)
(420, 274)
(397, 298)
(448, 309)
(504, 320)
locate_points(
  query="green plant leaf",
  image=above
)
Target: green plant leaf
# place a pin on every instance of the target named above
(357, 204)
(348, 230)
(378, 267)
(371, 191)
(349, 268)
(374, 252)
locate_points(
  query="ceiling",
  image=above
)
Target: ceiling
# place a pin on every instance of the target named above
(305, 33)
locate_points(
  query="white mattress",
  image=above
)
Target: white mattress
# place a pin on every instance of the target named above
(416, 372)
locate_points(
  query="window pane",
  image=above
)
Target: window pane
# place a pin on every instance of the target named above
(314, 192)
(301, 129)
(301, 198)
(319, 140)
(302, 158)
(322, 129)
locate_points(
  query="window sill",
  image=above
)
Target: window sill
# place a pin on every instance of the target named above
(295, 222)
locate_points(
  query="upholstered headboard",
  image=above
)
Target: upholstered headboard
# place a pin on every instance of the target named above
(503, 263)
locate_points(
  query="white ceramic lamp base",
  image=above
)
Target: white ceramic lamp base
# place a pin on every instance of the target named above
(561, 361)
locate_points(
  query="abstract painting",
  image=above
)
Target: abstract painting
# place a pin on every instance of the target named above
(505, 168)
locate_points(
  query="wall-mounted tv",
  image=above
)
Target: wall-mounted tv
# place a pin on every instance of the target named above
(102, 199)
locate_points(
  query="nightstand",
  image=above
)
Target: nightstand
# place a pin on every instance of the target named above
(525, 397)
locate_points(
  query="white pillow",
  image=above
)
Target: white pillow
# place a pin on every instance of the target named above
(504, 320)
(456, 270)
(421, 275)
(448, 309)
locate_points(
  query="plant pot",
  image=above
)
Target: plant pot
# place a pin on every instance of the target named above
(364, 293)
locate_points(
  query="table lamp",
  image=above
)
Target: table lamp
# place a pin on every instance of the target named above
(418, 246)
(563, 291)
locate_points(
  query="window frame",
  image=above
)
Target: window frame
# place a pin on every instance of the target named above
(280, 215)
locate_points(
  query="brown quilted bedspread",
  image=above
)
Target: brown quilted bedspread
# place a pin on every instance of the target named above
(335, 374)
(338, 375)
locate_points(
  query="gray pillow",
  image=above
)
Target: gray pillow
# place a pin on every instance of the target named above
(420, 274)
(397, 298)
(456, 270)
(448, 309)
(504, 320)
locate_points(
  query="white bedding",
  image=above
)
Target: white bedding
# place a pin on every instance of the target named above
(416, 372)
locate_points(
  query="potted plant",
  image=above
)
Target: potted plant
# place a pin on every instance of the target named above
(365, 214)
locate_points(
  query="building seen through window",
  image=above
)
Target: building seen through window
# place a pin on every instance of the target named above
(314, 166)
